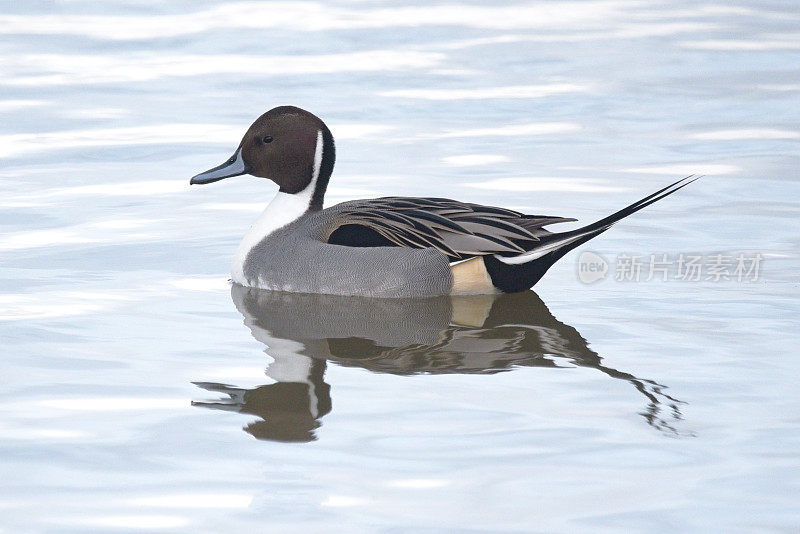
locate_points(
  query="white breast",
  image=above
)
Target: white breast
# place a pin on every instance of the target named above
(284, 209)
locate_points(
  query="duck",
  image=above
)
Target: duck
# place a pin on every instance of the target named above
(389, 247)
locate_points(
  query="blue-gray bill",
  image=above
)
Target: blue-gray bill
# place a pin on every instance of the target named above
(235, 166)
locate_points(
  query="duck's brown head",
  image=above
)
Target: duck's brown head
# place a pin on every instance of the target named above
(288, 145)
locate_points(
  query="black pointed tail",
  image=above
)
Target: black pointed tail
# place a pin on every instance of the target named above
(522, 272)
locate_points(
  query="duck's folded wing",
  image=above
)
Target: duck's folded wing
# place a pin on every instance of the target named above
(459, 230)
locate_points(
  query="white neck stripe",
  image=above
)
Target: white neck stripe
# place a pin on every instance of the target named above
(317, 160)
(284, 209)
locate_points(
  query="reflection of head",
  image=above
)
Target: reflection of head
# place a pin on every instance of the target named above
(289, 411)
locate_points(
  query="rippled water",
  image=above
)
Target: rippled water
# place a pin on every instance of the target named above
(142, 391)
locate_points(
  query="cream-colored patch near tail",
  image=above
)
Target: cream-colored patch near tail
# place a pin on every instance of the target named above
(470, 278)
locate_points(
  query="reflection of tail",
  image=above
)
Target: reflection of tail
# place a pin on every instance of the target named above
(518, 273)
(654, 413)
(540, 332)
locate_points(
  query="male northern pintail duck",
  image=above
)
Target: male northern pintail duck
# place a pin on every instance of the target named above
(383, 247)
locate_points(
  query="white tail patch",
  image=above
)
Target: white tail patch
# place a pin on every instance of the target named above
(540, 251)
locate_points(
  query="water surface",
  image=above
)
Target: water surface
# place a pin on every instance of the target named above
(143, 392)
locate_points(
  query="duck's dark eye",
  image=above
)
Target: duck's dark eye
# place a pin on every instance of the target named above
(267, 139)
(233, 159)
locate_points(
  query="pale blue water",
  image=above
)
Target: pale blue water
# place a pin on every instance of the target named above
(136, 381)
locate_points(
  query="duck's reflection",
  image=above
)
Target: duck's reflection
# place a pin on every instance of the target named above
(481, 334)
